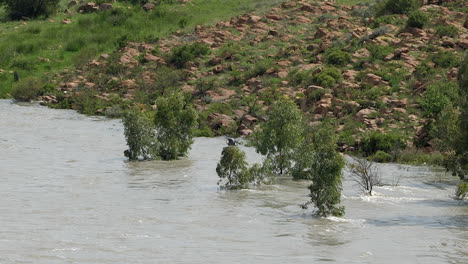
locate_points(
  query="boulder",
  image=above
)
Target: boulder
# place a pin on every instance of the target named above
(105, 6)
(364, 114)
(373, 79)
(217, 121)
(149, 6)
(88, 7)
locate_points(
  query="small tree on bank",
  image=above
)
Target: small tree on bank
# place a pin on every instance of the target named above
(323, 164)
(281, 135)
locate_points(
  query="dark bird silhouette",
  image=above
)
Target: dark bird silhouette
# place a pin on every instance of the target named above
(231, 141)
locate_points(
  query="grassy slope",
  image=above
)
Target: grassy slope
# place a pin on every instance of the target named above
(42, 47)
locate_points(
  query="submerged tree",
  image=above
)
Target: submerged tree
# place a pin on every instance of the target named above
(323, 164)
(365, 173)
(232, 168)
(139, 131)
(175, 122)
(233, 171)
(281, 135)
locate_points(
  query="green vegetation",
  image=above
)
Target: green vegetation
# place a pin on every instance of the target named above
(164, 134)
(47, 47)
(386, 142)
(183, 54)
(280, 135)
(233, 171)
(29, 89)
(233, 168)
(175, 122)
(417, 19)
(337, 56)
(437, 97)
(388, 7)
(457, 162)
(323, 165)
(446, 31)
(19, 9)
(139, 132)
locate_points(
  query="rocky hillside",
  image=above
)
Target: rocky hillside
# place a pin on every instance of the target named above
(340, 63)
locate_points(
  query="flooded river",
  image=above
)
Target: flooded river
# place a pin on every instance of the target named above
(69, 196)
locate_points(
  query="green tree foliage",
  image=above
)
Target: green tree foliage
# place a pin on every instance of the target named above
(389, 7)
(183, 54)
(175, 122)
(139, 131)
(337, 56)
(27, 89)
(437, 97)
(319, 161)
(280, 136)
(417, 19)
(17, 9)
(457, 163)
(232, 169)
(376, 141)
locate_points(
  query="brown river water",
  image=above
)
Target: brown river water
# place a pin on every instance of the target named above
(69, 196)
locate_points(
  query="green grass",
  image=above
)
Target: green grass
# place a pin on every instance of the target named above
(42, 47)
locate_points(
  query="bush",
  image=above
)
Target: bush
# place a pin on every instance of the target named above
(232, 168)
(17, 9)
(382, 157)
(27, 89)
(377, 141)
(379, 52)
(445, 59)
(437, 97)
(446, 31)
(417, 19)
(183, 54)
(389, 7)
(328, 77)
(139, 131)
(337, 56)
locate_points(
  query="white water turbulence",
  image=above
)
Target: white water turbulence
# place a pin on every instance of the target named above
(69, 196)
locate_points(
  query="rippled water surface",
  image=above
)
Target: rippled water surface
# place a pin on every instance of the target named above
(69, 196)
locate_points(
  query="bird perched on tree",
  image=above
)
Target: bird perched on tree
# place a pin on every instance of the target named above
(231, 141)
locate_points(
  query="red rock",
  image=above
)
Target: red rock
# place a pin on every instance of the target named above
(274, 17)
(105, 6)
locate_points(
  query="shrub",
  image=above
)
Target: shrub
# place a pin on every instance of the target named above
(139, 131)
(17, 9)
(183, 54)
(446, 31)
(423, 71)
(389, 7)
(377, 141)
(379, 52)
(337, 56)
(328, 77)
(445, 59)
(381, 156)
(27, 89)
(417, 19)
(437, 97)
